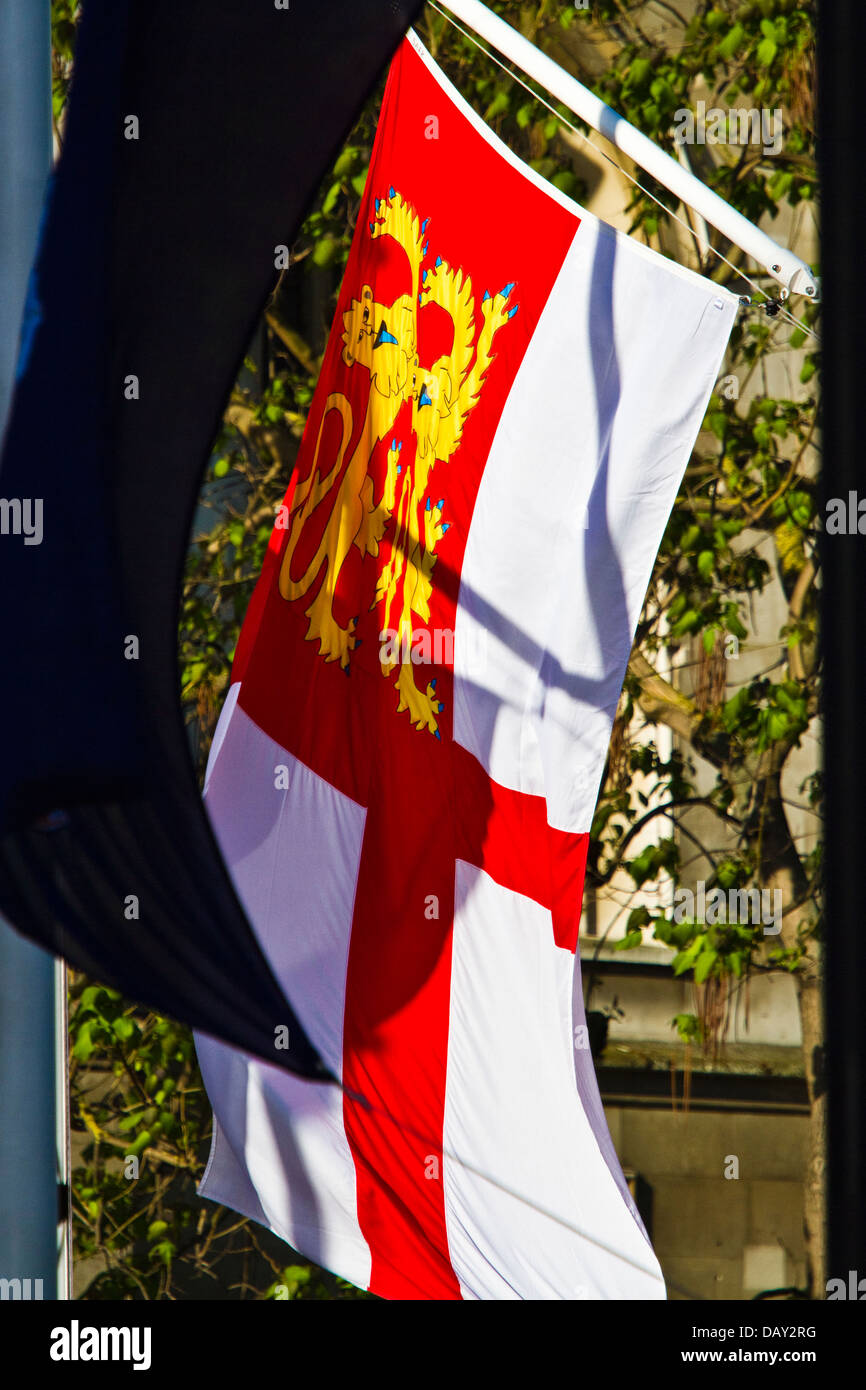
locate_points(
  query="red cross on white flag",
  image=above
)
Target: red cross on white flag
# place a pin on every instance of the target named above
(405, 770)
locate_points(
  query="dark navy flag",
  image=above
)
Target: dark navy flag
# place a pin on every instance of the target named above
(155, 260)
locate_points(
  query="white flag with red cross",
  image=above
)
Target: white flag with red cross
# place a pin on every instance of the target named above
(404, 773)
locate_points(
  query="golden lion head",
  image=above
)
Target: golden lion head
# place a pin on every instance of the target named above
(381, 337)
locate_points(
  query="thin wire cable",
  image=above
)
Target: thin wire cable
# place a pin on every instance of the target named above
(796, 323)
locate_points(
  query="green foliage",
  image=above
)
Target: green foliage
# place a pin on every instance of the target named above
(688, 1027)
(65, 15)
(141, 1232)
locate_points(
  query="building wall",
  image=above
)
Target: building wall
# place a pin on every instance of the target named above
(718, 1237)
(767, 1014)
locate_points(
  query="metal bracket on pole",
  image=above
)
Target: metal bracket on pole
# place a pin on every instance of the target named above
(794, 275)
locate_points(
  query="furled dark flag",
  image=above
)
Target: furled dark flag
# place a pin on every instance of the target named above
(197, 135)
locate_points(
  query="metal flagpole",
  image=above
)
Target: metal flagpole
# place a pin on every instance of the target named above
(28, 1022)
(787, 270)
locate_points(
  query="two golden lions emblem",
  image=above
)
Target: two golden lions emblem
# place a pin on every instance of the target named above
(381, 339)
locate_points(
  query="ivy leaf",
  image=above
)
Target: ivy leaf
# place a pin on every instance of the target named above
(684, 960)
(138, 1146)
(706, 564)
(689, 622)
(524, 114)
(87, 1002)
(629, 941)
(638, 917)
(688, 1026)
(639, 74)
(778, 725)
(331, 197)
(83, 1043)
(767, 50)
(731, 42)
(663, 930)
(717, 421)
(345, 163)
(498, 105)
(705, 962)
(565, 181)
(688, 541)
(733, 624)
(324, 251)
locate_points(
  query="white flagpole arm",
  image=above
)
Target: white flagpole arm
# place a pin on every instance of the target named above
(788, 270)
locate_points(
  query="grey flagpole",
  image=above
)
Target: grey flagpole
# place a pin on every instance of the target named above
(30, 1059)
